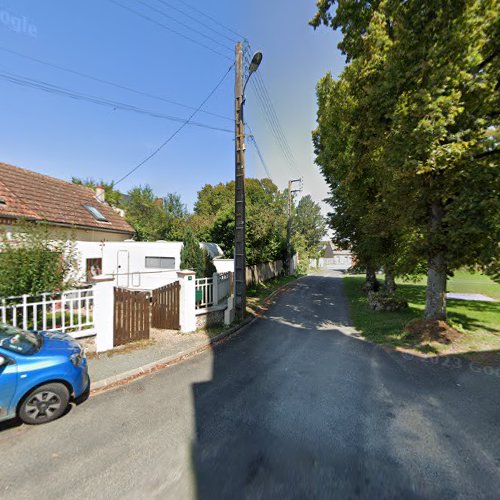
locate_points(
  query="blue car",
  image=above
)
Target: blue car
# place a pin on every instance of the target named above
(39, 373)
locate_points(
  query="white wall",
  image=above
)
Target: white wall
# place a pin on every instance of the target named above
(224, 265)
(126, 260)
(61, 232)
(339, 262)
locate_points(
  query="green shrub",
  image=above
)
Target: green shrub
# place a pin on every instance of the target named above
(32, 262)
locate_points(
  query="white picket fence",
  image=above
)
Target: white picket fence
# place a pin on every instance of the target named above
(212, 291)
(224, 286)
(70, 311)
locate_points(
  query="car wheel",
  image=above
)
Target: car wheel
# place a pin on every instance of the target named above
(43, 404)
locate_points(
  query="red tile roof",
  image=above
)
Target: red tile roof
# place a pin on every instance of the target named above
(30, 195)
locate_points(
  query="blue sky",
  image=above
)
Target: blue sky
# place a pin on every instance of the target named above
(64, 137)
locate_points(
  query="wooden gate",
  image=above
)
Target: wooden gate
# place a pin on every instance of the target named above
(165, 309)
(132, 312)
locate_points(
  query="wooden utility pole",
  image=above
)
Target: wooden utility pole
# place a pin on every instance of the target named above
(240, 286)
(289, 225)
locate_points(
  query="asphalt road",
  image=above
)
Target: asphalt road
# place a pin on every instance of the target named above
(293, 407)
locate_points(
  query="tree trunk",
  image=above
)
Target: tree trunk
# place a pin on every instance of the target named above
(389, 282)
(371, 283)
(435, 300)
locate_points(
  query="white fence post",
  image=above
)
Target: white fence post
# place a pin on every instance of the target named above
(187, 280)
(104, 308)
(25, 312)
(229, 312)
(215, 281)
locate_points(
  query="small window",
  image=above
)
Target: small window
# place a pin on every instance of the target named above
(95, 213)
(160, 262)
(93, 268)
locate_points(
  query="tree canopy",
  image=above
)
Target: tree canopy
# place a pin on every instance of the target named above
(407, 136)
(266, 218)
(309, 223)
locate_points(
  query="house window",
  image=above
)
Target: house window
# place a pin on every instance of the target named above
(95, 213)
(160, 262)
(93, 268)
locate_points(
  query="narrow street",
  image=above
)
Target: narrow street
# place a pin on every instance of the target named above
(294, 406)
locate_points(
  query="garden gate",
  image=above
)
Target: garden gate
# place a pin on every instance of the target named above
(165, 307)
(132, 316)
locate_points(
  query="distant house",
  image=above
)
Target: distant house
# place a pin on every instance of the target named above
(335, 257)
(65, 207)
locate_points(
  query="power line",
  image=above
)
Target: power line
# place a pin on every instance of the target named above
(261, 90)
(214, 20)
(251, 137)
(164, 143)
(196, 20)
(168, 28)
(54, 89)
(168, 16)
(272, 117)
(108, 82)
(270, 106)
(270, 120)
(272, 126)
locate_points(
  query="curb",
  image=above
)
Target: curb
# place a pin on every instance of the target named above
(130, 375)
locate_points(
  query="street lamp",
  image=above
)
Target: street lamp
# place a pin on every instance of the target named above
(252, 68)
(240, 285)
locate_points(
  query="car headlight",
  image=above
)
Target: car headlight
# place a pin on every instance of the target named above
(76, 358)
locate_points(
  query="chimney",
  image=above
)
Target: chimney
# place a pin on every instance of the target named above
(100, 194)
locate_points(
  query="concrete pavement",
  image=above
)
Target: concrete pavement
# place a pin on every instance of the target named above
(294, 407)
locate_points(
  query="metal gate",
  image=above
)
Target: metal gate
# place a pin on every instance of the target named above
(165, 307)
(132, 312)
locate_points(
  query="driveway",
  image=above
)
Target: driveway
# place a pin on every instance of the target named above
(293, 407)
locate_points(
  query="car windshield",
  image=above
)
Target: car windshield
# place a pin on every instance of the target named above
(15, 340)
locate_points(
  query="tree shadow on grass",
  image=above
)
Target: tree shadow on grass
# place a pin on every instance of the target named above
(473, 317)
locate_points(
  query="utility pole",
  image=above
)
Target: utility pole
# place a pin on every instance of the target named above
(291, 191)
(240, 285)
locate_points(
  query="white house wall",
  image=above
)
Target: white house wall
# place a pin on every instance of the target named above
(127, 261)
(224, 265)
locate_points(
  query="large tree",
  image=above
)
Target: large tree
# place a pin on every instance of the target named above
(310, 223)
(112, 195)
(192, 255)
(176, 217)
(155, 218)
(144, 211)
(266, 218)
(417, 109)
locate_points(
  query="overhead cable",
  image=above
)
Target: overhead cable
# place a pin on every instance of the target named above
(197, 20)
(168, 28)
(54, 89)
(194, 30)
(113, 84)
(186, 122)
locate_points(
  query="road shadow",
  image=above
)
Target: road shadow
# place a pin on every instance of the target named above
(298, 409)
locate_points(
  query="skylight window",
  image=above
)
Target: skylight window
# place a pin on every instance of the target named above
(95, 213)
(2, 201)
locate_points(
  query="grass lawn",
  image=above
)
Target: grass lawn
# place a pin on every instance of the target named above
(256, 294)
(478, 321)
